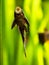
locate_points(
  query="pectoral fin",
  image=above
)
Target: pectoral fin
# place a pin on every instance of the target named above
(13, 24)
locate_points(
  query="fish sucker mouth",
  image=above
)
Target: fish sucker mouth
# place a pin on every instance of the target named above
(18, 10)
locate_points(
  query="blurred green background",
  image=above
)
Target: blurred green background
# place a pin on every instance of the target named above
(37, 13)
